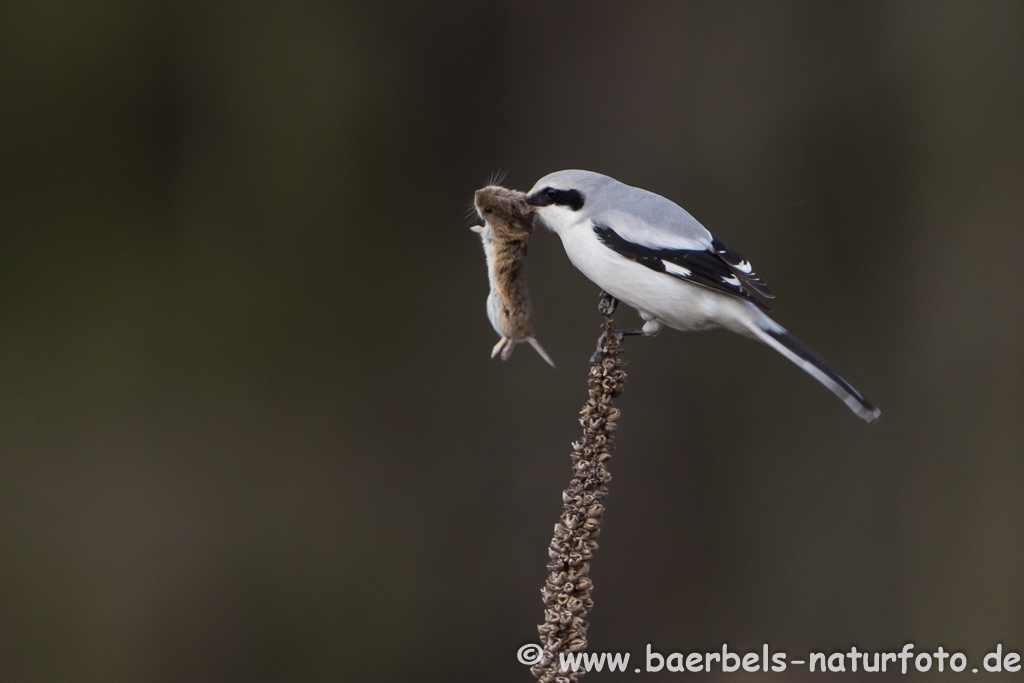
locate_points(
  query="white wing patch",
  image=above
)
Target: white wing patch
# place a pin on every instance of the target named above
(686, 273)
(673, 269)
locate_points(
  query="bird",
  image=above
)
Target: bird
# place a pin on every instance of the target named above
(650, 253)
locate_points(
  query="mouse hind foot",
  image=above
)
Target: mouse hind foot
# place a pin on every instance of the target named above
(504, 347)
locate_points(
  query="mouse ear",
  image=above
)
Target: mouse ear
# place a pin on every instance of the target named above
(477, 228)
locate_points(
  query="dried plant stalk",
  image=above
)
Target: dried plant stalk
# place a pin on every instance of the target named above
(567, 590)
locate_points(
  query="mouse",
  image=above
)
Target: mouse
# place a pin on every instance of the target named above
(508, 225)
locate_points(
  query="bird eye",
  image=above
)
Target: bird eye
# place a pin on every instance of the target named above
(550, 193)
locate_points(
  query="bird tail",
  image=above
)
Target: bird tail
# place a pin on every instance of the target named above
(540, 349)
(814, 365)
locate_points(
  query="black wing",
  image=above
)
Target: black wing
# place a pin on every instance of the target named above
(741, 267)
(720, 268)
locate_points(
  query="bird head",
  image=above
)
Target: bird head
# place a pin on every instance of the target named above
(558, 198)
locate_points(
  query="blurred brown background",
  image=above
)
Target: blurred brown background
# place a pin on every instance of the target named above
(249, 429)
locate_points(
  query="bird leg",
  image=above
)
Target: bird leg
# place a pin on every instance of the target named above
(607, 305)
(650, 328)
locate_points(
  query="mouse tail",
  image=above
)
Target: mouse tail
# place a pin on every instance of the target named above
(540, 350)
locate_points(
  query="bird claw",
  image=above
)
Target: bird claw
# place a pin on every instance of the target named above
(596, 357)
(607, 305)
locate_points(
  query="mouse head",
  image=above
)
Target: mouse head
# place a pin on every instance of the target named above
(505, 211)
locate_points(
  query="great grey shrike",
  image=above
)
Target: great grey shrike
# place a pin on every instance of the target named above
(650, 253)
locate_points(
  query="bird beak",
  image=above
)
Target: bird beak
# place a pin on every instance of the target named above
(534, 200)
